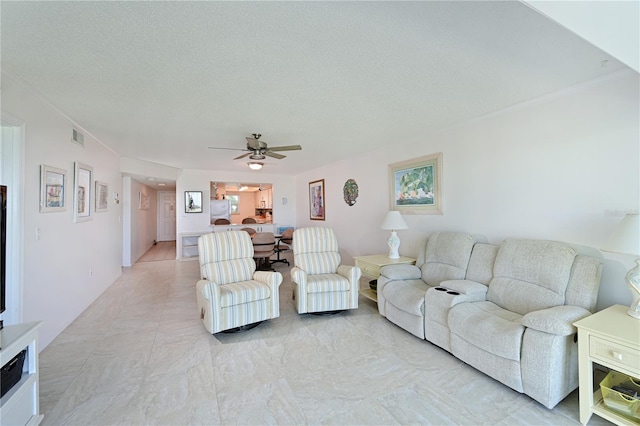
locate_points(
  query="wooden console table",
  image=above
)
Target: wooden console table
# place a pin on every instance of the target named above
(371, 265)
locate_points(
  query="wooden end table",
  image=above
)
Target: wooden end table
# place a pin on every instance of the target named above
(610, 338)
(371, 265)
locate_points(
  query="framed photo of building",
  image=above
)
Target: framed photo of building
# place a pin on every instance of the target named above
(316, 200)
(416, 185)
(52, 189)
(82, 192)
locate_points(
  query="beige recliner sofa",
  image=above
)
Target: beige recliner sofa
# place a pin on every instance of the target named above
(506, 310)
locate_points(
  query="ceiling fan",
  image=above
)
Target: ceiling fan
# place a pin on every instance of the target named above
(259, 150)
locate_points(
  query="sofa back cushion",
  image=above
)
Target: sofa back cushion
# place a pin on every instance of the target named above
(315, 250)
(529, 275)
(446, 257)
(480, 267)
(584, 283)
(226, 257)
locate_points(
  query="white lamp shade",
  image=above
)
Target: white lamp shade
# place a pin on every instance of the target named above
(626, 237)
(393, 220)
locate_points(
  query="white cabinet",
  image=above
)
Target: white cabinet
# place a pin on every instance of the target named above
(21, 404)
(188, 245)
(259, 227)
(264, 199)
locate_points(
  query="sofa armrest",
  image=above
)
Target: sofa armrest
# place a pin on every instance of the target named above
(475, 290)
(272, 279)
(350, 272)
(401, 272)
(556, 320)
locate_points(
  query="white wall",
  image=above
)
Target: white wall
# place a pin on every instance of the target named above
(199, 180)
(72, 263)
(144, 223)
(564, 167)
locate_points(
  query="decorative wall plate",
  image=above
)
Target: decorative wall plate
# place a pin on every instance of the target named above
(350, 191)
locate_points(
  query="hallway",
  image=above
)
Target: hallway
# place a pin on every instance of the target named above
(163, 250)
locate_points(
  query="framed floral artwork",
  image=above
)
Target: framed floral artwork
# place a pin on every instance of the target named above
(416, 185)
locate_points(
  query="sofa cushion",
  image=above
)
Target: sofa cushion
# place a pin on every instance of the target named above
(407, 295)
(529, 275)
(480, 267)
(446, 257)
(487, 326)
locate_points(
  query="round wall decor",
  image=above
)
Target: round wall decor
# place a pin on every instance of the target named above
(350, 191)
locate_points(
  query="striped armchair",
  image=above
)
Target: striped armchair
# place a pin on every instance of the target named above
(231, 294)
(321, 283)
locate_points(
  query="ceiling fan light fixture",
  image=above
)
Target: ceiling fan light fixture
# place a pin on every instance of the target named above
(255, 165)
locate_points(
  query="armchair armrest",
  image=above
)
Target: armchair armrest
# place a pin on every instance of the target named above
(350, 272)
(272, 279)
(208, 289)
(556, 320)
(298, 276)
(401, 272)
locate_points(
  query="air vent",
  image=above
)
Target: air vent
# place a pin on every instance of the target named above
(77, 137)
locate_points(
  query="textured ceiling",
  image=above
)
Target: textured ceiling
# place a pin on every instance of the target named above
(162, 81)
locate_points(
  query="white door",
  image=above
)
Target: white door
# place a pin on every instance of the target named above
(166, 216)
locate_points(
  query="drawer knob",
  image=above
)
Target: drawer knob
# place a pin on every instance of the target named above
(617, 355)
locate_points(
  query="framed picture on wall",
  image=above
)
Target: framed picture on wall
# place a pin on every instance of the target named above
(52, 189)
(316, 200)
(193, 201)
(102, 191)
(416, 185)
(143, 201)
(82, 191)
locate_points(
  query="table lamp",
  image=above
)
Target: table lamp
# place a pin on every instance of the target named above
(393, 221)
(626, 240)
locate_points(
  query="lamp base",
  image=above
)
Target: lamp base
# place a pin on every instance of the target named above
(394, 243)
(633, 281)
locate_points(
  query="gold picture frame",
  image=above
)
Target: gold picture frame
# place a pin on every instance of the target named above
(416, 185)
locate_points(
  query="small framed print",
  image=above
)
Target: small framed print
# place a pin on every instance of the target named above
(193, 201)
(102, 191)
(82, 191)
(52, 189)
(316, 200)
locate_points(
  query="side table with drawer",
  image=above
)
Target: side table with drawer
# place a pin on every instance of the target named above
(371, 265)
(610, 338)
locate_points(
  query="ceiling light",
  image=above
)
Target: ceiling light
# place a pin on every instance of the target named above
(255, 165)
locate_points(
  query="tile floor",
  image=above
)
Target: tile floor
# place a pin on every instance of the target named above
(140, 355)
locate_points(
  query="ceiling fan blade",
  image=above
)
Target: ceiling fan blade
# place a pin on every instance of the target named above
(230, 149)
(243, 155)
(274, 155)
(286, 148)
